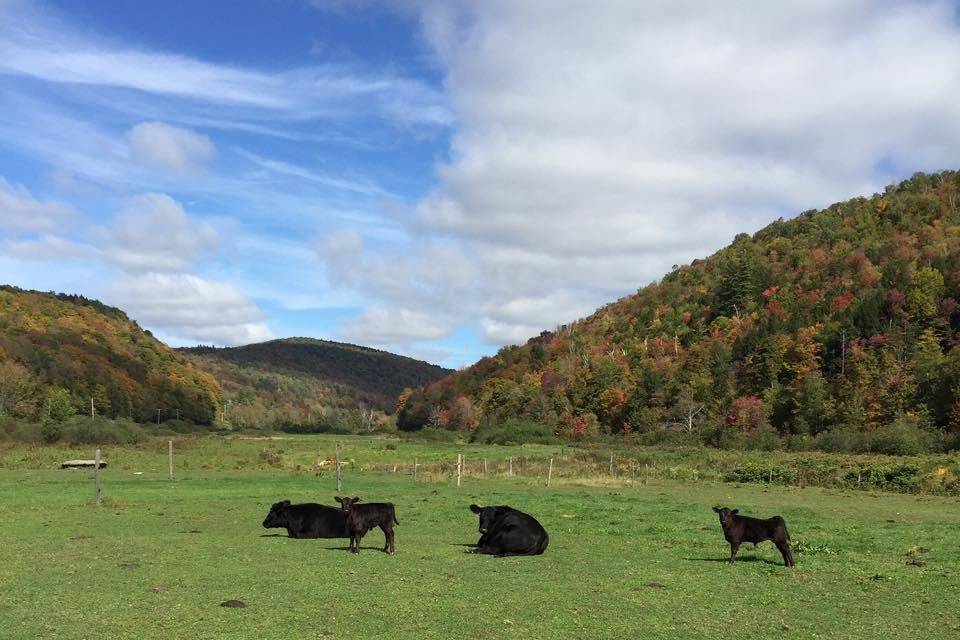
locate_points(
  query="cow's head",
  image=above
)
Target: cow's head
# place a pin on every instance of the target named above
(346, 503)
(277, 516)
(487, 516)
(725, 514)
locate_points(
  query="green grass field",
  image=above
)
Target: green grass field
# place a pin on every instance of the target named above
(157, 558)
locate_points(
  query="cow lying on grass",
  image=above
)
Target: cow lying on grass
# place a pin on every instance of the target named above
(307, 520)
(504, 531)
(363, 517)
(738, 529)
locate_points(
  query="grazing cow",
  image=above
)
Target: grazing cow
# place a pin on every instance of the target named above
(307, 520)
(738, 529)
(504, 531)
(363, 517)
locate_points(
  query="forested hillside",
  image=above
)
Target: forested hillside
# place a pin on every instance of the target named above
(821, 330)
(57, 352)
(302, 382)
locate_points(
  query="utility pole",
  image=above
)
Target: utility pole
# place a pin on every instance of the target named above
(843, 353)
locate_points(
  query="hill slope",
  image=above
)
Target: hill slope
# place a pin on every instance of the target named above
(300, 376)
(839, 321)
(65, 350)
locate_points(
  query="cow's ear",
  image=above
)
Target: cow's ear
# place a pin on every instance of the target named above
(474, 508)
(734, 512)
(338, 499)
(716, 509)
(356, 499)
(285, 503)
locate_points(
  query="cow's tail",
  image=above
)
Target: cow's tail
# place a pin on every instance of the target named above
(393, 512)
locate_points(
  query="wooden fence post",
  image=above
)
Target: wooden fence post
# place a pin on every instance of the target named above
(96, 477)
(611, 464)
(510, 466)
(459, 467)
(550, 472)
(414, 469)
(339, 481)
(484, 466)
(169, 459)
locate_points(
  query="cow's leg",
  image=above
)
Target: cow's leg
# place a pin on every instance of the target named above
(784, 548)
(387, 538)
(355, 543)
(733, 551)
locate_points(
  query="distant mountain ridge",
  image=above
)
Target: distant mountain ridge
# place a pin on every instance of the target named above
(346, 375)
(59, 352)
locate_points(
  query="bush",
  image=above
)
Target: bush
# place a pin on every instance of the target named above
(513, 431)
(433, 434)
(665, 437)
(905, 437)
(843, 439)
(763, 439)
(84, 430)
(51, 432)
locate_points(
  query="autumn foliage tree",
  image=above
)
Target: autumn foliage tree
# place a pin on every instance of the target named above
(841, 319)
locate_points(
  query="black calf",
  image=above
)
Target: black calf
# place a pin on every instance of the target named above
(504, 531)
(738, 529)
(307, 520)
(363, 517)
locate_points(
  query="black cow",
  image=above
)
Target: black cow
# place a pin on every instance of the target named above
(363, 517)
(738, 529)
(504, 531)
(308, 520)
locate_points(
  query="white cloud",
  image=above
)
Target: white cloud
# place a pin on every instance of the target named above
(20, 212)
(153, 233)
(161, 146)
(396, 325)
(600, 143)
(190, 309)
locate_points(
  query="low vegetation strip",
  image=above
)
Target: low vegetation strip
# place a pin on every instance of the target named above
(437, 462)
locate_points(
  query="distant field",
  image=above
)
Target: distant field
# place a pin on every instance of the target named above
(628, 557)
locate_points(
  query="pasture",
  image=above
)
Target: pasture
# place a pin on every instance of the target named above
(626, 558)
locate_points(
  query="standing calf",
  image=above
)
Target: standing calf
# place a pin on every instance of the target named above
(738, 529)
(363, 517)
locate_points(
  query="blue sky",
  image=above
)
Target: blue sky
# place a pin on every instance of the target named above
(437, 178)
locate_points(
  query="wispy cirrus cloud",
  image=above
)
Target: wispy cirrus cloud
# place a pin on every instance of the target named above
(39, 46)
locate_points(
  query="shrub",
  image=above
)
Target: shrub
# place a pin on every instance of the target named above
(513, 431)
(763, 439)
(434, 434)
(905, 437)
(85, 430)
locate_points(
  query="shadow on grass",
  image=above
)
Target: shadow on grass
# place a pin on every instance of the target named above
(347, 548)
(739, 560)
